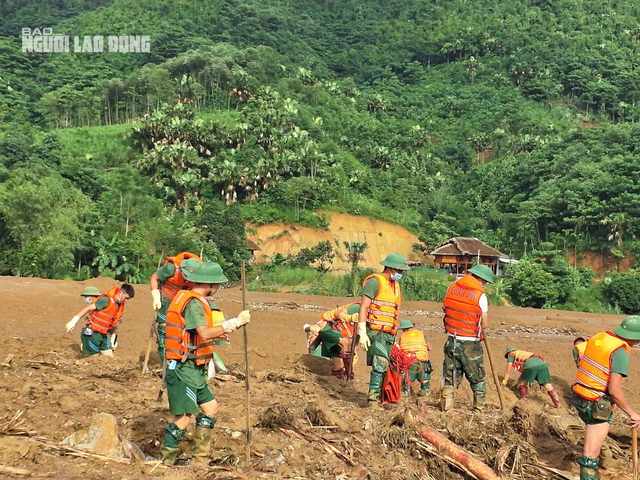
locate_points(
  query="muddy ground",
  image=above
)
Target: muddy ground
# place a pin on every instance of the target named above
(295, 405)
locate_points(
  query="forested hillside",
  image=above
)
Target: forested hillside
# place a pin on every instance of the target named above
(514, 122)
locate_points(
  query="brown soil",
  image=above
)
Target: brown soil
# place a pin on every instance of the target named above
(382, 238)
(602, 262)
(289, 390)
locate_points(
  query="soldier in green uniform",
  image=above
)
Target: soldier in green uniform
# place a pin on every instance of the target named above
(165, 283)
(189, 349)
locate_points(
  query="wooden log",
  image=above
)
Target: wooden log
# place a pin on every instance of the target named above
(450, 449)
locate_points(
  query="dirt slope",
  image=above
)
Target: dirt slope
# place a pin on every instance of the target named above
(382, 238)
(288, 388)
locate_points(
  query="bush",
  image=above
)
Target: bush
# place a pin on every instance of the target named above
(623, 290)
(531, 286)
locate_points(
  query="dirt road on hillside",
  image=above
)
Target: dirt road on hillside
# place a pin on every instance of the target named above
(59, 396)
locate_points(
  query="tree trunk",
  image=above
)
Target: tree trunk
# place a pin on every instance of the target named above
(450, 449)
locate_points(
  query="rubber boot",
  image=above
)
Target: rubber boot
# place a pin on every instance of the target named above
(588, 468)
(339, 373)
(554, 397)
(162, 328)
(375, 383)
(446, 399)
(479, 395)
(373, 396)
(524, 390)
(425, 389)
(170, 446)
(202, 439)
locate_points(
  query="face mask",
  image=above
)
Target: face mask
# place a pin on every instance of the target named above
(396, 276)
(87, 300)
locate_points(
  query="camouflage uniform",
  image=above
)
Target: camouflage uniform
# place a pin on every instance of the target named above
(468, 358)
(378, 356)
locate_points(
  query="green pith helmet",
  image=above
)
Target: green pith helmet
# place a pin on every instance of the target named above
(405, 324)
(189, 264)
(629, 329)
(397, 261)
(90, 292)
(205, 272)
(508, 351)
(483, 272)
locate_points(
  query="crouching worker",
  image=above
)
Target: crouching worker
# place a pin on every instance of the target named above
(415, 341)
(333, 334)
(532, 368)
(598, 388)
(105, 312)
(189, 352)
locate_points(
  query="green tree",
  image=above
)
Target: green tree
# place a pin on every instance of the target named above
(355, 252)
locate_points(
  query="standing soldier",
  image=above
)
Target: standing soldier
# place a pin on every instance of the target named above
(532, 368)
(165, 283)
(189, 349)
(579, 344)
(415, 341)
(598, 388)
(104, 314)
(334, 333)
(378, 319)
(465, 317)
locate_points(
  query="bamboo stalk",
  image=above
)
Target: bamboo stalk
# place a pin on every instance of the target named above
(634, 451)
(494, 373)
(246, 363)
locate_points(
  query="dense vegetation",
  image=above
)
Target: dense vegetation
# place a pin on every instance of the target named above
(514, 122)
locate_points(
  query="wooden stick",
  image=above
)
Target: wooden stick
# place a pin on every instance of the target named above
(503, 407)
(15, 471)
(634, 451)
(149, 345)
(246, 363)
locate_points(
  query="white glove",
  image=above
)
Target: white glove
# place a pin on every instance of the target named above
(365, 343)
(211, 370)
(72, 324)
(157, 299)
(233, 324)
(113, 340)
(305, 327)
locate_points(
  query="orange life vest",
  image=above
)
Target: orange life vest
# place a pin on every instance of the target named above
(346, 329)
(414, 341)
(594, 369)
(176, 282)
(103, 321)
(384, 310)
(581, 348)
(182, 344)
(521, 356)
(462, 313)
